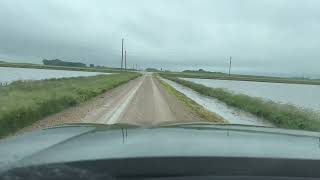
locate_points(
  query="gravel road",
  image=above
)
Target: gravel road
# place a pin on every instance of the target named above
(140, 102)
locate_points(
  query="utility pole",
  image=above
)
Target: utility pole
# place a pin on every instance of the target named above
(122, 54)
(230, 66)
(125, 59)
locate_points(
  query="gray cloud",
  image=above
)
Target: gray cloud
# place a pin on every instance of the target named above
(271, 36)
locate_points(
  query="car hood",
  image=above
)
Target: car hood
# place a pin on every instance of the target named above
(79, 142)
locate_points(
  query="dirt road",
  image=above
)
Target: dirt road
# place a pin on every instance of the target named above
(141, 102)
(146, 103)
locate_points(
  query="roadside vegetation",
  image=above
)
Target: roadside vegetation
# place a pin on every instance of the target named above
(25, 102)
(201, 74)
(191, 105)
(281, 115)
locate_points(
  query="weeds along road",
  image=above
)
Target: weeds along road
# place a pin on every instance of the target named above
(140, 102)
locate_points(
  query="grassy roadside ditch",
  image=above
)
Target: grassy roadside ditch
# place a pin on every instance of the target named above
(191, 105)
(281, 115)
(23, 103)
(238, 77)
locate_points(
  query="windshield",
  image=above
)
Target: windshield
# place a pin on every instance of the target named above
(153, 63)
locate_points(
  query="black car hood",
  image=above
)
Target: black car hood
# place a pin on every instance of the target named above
(79, 142)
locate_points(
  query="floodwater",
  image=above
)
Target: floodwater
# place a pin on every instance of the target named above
(299, 95)
(8, 75)
(231, 114)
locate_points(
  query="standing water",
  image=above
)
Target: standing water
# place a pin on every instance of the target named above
(232, 115)
(8, 75)
(299, 95)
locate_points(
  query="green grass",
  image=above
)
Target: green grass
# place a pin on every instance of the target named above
(40, 66)
(281, 115)
(191, 105)
(238, 77)
(23, 103)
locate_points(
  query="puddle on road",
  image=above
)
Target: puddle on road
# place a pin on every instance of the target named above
(232, 115)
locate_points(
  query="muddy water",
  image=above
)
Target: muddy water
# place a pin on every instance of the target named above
(8, 75)
(232, 115)
(300, 95)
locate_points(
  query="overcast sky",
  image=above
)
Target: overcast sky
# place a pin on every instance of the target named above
(262, 36)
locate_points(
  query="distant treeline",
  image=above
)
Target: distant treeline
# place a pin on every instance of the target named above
(58, 62)
(200, 71)
(156, 70)
(152, 70)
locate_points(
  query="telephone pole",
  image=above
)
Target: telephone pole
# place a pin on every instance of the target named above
(125, 59)
(122, 54)
(230, 66)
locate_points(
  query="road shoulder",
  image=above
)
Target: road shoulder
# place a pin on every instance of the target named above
(192, 112)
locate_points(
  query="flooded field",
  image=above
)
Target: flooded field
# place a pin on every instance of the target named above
(8, 75)
(232, 115)
(303, 96)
